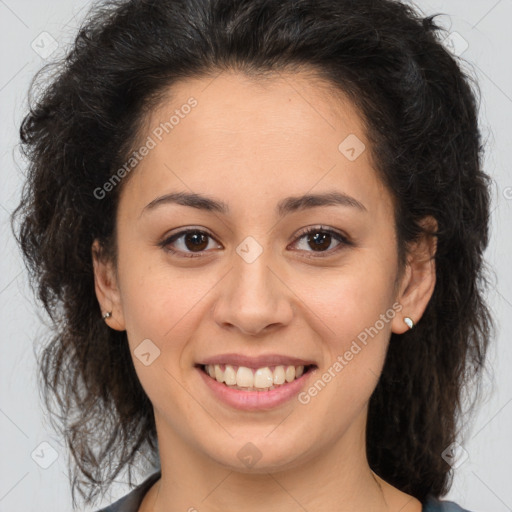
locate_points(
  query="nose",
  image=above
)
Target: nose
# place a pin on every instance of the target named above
(253, 299)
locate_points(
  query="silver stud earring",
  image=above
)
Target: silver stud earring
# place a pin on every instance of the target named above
(409, 322)
(106, 315)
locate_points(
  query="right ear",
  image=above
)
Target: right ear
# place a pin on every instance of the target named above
(106, 287)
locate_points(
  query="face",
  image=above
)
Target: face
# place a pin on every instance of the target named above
(234, 278)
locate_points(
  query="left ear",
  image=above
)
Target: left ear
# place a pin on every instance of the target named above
(419, 279)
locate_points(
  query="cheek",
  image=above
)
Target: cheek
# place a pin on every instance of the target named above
(354, 308)
(349, 300)
(162, 312)
(165, 306)
(155, 297)
(354, 326)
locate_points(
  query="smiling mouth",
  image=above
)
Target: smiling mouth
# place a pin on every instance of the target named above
(262, 379)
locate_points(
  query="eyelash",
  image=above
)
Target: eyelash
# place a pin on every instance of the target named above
(343, 241)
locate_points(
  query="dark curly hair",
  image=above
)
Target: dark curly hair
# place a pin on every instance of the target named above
(420, 112)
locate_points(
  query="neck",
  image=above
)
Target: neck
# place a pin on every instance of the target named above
(338, 479)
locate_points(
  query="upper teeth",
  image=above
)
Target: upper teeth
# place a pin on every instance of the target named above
(261, 378)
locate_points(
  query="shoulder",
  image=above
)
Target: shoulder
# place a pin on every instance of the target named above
(131, 502)
(434, 505)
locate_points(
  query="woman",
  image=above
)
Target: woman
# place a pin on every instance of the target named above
(258, 227)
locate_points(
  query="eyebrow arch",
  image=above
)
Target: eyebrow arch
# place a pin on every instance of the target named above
(284, 207)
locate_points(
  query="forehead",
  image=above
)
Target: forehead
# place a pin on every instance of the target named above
(284, 106)
(245, 136)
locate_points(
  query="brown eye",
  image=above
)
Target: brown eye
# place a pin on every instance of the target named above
(196, 241)
(319, 240)
(188, 241)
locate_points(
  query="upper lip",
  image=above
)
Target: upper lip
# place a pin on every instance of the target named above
(256, 362)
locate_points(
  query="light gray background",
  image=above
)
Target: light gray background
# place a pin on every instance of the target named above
(482, 482)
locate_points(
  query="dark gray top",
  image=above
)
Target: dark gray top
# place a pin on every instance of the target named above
(131, 502)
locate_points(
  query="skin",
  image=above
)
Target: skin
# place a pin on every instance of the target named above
(250, 144)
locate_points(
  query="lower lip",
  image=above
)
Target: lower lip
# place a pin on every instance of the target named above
(255, 400)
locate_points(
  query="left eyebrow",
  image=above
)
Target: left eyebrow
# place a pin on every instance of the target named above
(284, 207)
(293, 204)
